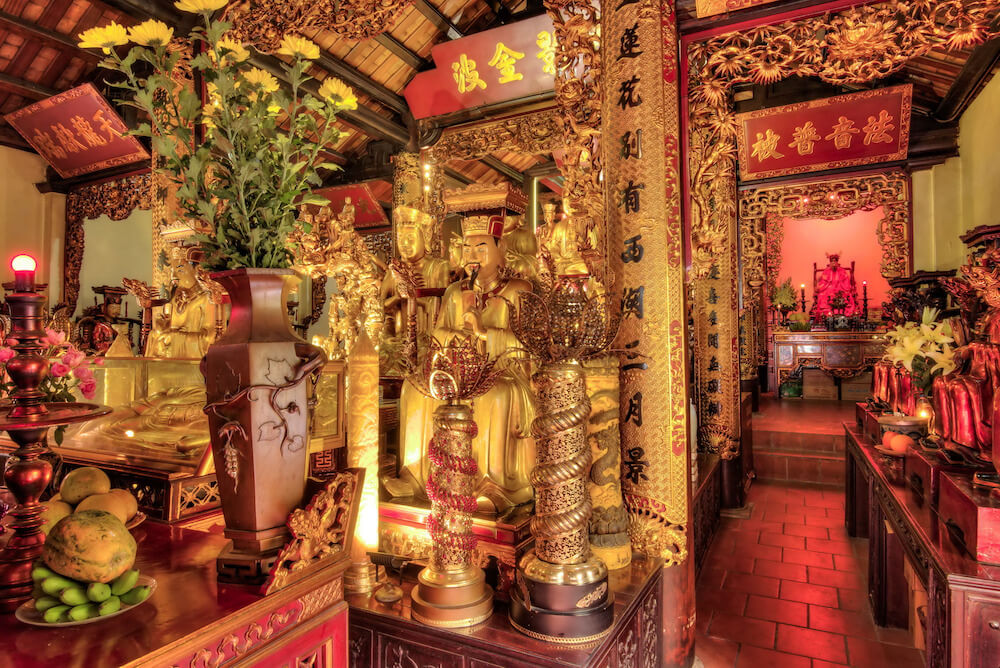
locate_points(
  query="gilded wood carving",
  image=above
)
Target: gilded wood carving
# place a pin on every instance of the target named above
(114, 199)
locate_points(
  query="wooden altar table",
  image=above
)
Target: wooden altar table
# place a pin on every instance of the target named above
(192, 620)
(839, 354)
(962, 620)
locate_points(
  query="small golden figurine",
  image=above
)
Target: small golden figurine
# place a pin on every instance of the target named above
(185, 327)
(563, 243)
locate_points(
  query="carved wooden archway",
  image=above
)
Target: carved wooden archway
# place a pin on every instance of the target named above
(115, 199)
(762, 212)
(859, 45)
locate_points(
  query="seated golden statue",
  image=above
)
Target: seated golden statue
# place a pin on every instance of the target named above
(563, 243)
(185, 328)
(834, 290)
(479, 306)
(522, 247)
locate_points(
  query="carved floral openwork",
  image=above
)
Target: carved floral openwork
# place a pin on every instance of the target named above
(264, 23)
(536, 132)
(114, 199)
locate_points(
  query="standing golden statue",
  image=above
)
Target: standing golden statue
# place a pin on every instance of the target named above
(414, 229)
(185, 326)
(478, 306)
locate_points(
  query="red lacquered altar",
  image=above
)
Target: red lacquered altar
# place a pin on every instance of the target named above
(193, 620)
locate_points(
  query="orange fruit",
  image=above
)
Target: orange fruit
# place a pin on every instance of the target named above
(900, 443)
(887, 437)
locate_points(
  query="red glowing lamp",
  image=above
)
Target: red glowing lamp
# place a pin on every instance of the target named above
(24, 272)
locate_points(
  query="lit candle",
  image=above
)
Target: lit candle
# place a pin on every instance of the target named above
(803, 287)
(24, 273)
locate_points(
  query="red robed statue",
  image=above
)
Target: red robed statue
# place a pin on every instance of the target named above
(834, 289)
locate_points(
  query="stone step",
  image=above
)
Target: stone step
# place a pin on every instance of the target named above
(811, 467)
(790, 441)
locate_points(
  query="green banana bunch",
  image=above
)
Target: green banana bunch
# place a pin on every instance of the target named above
(61, 599)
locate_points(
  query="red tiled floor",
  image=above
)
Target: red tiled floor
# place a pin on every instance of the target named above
(777, 569)
(788, 589)
(815, 644)
(777, 610)
(744, 630)
(755, 657)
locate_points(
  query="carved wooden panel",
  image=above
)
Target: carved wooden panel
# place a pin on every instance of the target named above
(395, 653)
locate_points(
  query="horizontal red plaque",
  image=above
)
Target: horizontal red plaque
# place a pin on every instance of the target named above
(712, 7)
(847, 130)
(498, 65)
(77, 132)
(367, 210)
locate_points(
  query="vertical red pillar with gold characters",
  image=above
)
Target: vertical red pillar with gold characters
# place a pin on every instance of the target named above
(639, 133)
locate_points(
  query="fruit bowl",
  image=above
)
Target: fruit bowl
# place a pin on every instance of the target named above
(29, 615)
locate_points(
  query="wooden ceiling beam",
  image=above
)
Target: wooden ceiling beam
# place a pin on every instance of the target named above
(457, 176)
(57, 40)
(503, 169)
(26, 88)
(440, 21)
(969, 81)
(398, 49)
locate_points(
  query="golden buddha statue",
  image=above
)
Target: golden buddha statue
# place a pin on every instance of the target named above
(563, 243)
(480, 306)
(186, 325)
(414, 229)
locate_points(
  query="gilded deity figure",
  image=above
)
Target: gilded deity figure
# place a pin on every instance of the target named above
(414, 229)
(563, 243)
(185, 328)
(479, 306)
(522, 247)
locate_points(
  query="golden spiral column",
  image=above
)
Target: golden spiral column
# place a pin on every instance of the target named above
(452, 591)
(562, 590)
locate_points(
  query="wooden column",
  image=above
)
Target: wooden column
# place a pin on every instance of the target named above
(639, 130)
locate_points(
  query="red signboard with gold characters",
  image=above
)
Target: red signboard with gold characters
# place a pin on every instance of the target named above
(506, 63)
(77, 132)
(847, 130)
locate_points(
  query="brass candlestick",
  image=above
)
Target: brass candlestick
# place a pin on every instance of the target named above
(452, 591)
(27, 419)
(562, 590)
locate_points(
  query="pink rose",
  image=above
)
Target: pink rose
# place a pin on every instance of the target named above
(99, 361)
(73, 358)
(59, 370)
(12, 342)
(88, 388)
(6, 354)
(83, 373)
(53, 338)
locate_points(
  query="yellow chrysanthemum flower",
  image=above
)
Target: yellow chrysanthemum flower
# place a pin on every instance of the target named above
(151, 33)
(258, 77)
(104, 38)
(237, 53)
(335, 89)
(196, 6)
(294, 46)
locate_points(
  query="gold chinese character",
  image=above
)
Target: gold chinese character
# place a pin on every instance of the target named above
(466, 75)
(505, 59)
(66, 138)
(842, 132)
(547, 55)
(86, 131)
(106, 126)
(877, 129)
(766, 146)
(47, 146)
(804, 139)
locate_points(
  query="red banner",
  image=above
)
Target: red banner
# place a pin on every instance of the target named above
(498, 65)
(77, 132)
(367, 210)
(847, 130)
(705, 8)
